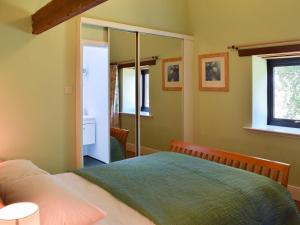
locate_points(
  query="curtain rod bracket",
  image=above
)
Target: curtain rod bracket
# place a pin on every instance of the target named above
(233, 47)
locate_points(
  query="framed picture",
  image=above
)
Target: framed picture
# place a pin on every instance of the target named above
(213, 72)
(172, 74)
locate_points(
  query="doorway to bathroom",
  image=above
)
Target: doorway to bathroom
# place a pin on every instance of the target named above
(95, 103)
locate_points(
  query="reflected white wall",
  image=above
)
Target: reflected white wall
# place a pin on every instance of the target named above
(96, 98)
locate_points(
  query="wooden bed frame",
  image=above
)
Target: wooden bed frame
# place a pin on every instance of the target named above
(121, 135)
(277, 171)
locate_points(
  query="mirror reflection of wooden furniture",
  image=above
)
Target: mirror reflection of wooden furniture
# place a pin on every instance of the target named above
(121, 135)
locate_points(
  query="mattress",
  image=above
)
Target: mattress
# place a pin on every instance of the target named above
(118, 213)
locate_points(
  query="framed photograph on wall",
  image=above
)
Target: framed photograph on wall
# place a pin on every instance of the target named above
(172, 74)
(213, 72)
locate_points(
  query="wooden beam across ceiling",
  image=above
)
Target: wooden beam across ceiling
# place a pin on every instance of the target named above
(58, 11)
(269, 50)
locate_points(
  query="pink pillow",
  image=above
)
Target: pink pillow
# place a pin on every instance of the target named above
(59, 204)
(14, 170)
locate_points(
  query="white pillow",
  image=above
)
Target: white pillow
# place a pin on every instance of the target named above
(14, 170)
(58, 204)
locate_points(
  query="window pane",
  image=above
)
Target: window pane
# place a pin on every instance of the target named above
(128, 90)
(141, 91)
(287, 92)
(147, 100)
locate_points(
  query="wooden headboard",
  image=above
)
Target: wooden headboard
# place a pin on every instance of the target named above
(121, 135)
(277, 171)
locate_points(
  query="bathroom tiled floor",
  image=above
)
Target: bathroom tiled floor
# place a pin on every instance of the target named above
(89, 161)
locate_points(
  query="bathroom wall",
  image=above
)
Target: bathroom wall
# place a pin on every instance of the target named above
(96, 98)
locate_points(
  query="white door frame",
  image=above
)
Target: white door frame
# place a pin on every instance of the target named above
(187, 53)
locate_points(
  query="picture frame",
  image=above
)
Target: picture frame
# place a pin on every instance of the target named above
(213, 72)
(172, 75)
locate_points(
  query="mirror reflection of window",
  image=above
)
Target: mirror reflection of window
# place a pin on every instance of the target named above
(128, 94)
(144, 90)
(122, 55)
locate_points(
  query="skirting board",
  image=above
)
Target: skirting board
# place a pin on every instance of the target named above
(144, 150)
(295, 191)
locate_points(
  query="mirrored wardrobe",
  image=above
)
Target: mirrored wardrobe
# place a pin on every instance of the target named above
(130, 92)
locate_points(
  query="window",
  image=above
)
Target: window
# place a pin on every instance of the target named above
(127, 90)
(145, 91)
(284, 92)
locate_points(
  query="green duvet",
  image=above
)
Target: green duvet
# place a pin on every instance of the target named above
(175, 189)
(117, 151)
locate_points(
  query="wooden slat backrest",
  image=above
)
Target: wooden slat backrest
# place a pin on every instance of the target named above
(277, 171)
(121, 135)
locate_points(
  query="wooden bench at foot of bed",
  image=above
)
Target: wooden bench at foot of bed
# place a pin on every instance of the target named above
(277, 171)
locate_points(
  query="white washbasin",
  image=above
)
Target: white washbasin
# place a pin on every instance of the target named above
(89, 130)
(88, 119)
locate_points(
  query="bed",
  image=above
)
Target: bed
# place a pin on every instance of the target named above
(233, 189)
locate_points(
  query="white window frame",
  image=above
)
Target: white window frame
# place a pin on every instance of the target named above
(260, 102)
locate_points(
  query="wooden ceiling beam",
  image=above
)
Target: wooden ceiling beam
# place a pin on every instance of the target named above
(269, 50)
(58, 11)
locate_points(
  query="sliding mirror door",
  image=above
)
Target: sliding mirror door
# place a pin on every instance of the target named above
(161, 92)
(122, 94)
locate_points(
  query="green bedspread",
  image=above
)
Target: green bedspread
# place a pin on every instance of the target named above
(175, 189)
(117, 151)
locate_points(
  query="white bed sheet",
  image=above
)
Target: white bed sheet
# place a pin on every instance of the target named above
(118, 213)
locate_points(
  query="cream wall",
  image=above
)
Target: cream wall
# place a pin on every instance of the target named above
(37, 121)
(169, 15)
(220, 117)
